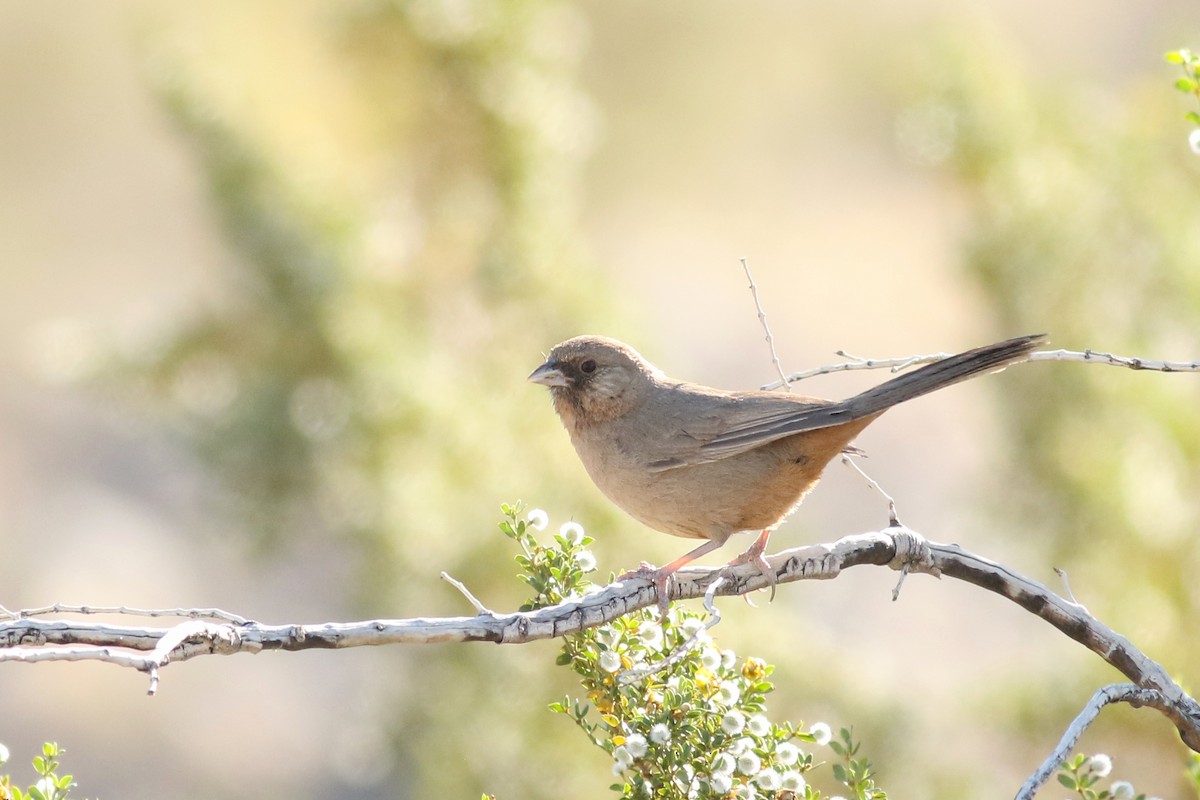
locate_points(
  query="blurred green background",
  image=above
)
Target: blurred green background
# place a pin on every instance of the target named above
(272, 275)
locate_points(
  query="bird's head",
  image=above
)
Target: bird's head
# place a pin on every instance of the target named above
(594, 378)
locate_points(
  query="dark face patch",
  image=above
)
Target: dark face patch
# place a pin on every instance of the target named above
(577, 372)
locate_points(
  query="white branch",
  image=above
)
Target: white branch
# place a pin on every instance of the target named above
(898, 364)
(189, 613)
(1116, 693)
(457, 584)
(30, 640)
(1130, 362)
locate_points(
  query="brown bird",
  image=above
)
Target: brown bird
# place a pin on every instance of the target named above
(705, 463)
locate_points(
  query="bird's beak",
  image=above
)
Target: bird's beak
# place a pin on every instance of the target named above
(549, 374)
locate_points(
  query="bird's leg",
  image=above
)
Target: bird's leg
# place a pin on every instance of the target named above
(661, 577)
(754, 555)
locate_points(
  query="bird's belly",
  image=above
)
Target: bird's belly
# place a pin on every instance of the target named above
(750, 491)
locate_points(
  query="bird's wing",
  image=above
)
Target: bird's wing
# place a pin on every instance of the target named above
(710, 426)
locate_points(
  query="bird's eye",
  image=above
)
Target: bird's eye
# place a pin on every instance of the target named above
(588, 367)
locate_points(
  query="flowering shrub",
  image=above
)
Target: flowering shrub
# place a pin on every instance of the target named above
(1082, 773)
(1189, 62)
(49, 786)
(684, 719)
(679, 716)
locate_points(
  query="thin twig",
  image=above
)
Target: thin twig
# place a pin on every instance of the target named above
(710, 604)
(188, 613)
(913, 554)
(894, 364)
(1083, 356)
(762, 318)
(1129, 362)
(893, 519)
(480, 607)
(645, 670)
(1062, 573)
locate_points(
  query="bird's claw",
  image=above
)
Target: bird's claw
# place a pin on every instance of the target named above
(754, 555)
(660, 577)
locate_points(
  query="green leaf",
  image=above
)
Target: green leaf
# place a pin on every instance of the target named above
(36, 793)
(1192, 116)
(39, 765)
(1186, 85)
(65, 781)
(1067, 781)
(1175, 57)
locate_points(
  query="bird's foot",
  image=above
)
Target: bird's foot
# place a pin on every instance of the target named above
(662, 583)
(754, 555)
(660, 577)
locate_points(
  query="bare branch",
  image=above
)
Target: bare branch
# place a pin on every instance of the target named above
(1129, 362)
(901, 363)
(147, 649)
(1116, 693)
(1076, 622)
(188, 613)
(894, 364)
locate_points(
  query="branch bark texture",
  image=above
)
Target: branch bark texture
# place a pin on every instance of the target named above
(26, 637)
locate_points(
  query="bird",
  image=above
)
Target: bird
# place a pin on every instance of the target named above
(704, 463)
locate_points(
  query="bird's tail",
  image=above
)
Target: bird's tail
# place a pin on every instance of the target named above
(939, 374)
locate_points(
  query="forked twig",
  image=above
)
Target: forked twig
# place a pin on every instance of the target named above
(762, 318)
(1115, 693)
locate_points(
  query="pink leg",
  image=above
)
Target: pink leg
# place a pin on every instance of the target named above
(662, 576)
(754, 555)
